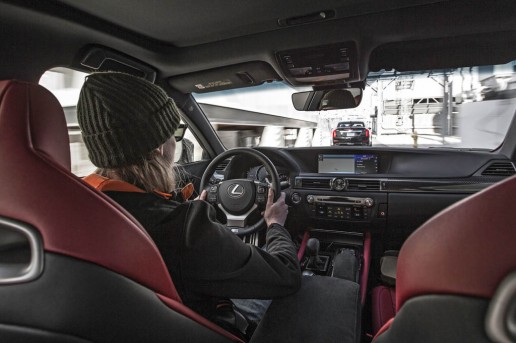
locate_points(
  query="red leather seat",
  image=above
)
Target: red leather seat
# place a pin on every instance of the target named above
(383, 301)
(449, 270)
(101, 278)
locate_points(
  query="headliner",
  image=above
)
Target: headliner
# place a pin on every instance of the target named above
(181, 37)
(186, 23)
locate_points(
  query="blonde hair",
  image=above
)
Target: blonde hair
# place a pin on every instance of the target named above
(154, 173)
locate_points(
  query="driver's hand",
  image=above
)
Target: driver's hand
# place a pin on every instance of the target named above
(275, 212)
(202, 196)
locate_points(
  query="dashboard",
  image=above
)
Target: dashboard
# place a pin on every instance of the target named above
(373, 189)
(384, 170)
(259, 173)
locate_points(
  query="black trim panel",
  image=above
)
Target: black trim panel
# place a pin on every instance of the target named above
(80, 299)
(469, 186)
(15, 333)
(438, 318)
(436, 186)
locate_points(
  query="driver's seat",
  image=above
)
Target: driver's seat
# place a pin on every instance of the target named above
(74, 266)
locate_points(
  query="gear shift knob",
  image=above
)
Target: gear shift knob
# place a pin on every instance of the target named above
(312, 247)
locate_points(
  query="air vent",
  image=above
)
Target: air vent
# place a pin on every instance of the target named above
(499, 169)
(363, 185)
(316, 183)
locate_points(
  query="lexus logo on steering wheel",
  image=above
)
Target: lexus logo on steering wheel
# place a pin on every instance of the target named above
(235, 190)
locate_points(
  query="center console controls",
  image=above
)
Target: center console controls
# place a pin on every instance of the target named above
(340, 207)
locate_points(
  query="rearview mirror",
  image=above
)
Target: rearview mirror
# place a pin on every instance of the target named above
(323, 100)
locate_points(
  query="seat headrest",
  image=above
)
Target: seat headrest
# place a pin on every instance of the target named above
(36, 121)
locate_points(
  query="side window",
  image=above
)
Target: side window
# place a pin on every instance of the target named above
(188, 149)
(66, 85)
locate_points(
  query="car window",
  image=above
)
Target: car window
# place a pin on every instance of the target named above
(350, 124)
(469, 107)
(66, 84)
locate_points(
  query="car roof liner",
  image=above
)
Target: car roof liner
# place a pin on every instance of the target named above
(460, 51)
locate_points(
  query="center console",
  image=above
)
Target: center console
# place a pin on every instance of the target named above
(328, 306)
(332, 264)
(335, 260)
(339, 212)
(341, 196)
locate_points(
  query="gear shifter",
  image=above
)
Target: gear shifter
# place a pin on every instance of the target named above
(312, 248)
(316, 262)
(311, 251)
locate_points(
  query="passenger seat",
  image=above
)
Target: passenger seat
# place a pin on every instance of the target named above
(383, 297)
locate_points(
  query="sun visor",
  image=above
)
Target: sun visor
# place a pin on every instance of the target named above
(98, 58)
(235, 76)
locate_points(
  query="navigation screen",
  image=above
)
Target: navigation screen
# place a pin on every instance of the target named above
(348, 164)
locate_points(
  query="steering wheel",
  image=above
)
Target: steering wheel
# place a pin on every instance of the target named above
(239, 198)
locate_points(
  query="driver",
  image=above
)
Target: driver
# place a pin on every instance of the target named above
(128, 125)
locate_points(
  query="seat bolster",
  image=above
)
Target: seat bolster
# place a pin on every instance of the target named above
(383, 300)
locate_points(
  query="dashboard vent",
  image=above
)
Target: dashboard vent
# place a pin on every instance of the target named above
(316, 183)
(363, 185)
(499, 169)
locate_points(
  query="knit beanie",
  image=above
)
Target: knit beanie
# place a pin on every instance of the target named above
(123, 118)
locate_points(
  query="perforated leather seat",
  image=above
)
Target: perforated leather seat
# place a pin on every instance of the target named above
(99, 276)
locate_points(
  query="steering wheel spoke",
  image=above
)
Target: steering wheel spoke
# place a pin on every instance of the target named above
(262, 190)
(212, 197)
(237, 221)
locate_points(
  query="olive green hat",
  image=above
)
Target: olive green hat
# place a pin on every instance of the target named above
(123, 118)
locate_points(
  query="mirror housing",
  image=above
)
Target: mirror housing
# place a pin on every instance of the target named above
(329, 99)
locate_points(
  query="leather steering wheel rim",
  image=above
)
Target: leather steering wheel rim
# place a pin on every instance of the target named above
(269, 166)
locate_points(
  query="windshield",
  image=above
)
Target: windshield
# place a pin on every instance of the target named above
(461, 108)
(350, 124)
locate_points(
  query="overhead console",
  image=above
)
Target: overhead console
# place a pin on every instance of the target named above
(322, 65)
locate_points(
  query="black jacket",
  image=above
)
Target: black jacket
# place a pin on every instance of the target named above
(206, 260)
